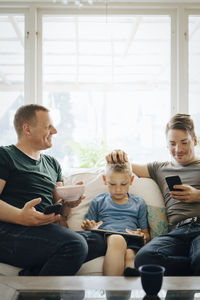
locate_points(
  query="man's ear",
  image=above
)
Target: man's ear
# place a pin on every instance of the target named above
(132, 177)
(104, 179)
(26, 129)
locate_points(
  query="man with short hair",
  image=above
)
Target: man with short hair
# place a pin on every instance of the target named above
(29, 238)
(178, 251)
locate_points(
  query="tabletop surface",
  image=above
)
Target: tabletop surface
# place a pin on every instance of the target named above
(94, 287)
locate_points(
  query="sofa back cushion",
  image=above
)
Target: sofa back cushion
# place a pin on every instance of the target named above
(144, 187)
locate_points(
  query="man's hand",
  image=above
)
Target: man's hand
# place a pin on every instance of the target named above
(188, 194)
(88, 225)
(28, 215)
(79, 182)
(138, 232)
(116, 156)
(71, 204)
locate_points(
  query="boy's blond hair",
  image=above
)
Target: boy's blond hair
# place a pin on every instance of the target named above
(120, 167)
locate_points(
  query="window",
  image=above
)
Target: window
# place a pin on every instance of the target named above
(111, 76)
(107, 80)
(11, 72)
(194, 67)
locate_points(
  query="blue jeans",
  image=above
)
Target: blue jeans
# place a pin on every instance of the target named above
(178, 251)
(49, 250)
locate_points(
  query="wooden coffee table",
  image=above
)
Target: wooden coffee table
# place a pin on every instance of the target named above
(11, 287)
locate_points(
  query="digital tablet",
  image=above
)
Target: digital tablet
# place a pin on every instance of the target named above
(134, 236)
(70, 192)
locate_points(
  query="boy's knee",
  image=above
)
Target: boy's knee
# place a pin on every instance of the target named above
(116, 240)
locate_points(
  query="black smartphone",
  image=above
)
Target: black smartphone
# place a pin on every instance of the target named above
(55, 208)
(173, 180)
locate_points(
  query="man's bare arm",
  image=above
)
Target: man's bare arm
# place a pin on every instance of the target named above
(27, 215)
(140, 170)
(8, 213)
(121, 156)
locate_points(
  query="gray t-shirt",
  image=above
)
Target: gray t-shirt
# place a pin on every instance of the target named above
(190, 175)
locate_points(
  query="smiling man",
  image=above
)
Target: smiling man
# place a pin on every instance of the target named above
(178, 251)
(29, 238)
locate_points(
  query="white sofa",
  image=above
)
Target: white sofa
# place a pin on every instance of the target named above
(92, 179)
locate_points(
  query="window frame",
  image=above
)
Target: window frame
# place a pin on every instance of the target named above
(24, 12)
(118, 10)
(188, 13)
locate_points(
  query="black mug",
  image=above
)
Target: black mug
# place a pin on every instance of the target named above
(151, 278)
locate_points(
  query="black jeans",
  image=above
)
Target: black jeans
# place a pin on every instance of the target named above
(178, 251)
(49, 250)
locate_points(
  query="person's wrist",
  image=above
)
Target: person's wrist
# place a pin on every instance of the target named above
(19, 217)
(64, 217)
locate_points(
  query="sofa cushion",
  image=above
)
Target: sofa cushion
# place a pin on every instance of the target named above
(157, 220)
(148, 189)
(8, 270)
(144, 187)
(92, 267)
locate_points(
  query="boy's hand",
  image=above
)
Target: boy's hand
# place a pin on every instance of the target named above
(88, 225)
(138, 232)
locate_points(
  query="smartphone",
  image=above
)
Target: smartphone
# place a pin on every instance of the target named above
(173, 180)
(55, 208)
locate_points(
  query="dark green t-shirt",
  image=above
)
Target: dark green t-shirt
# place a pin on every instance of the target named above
(26, 178)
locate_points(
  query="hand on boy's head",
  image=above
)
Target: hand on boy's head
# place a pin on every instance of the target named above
(116, 156)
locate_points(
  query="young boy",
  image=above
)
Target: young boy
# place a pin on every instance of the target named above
(122, 212)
